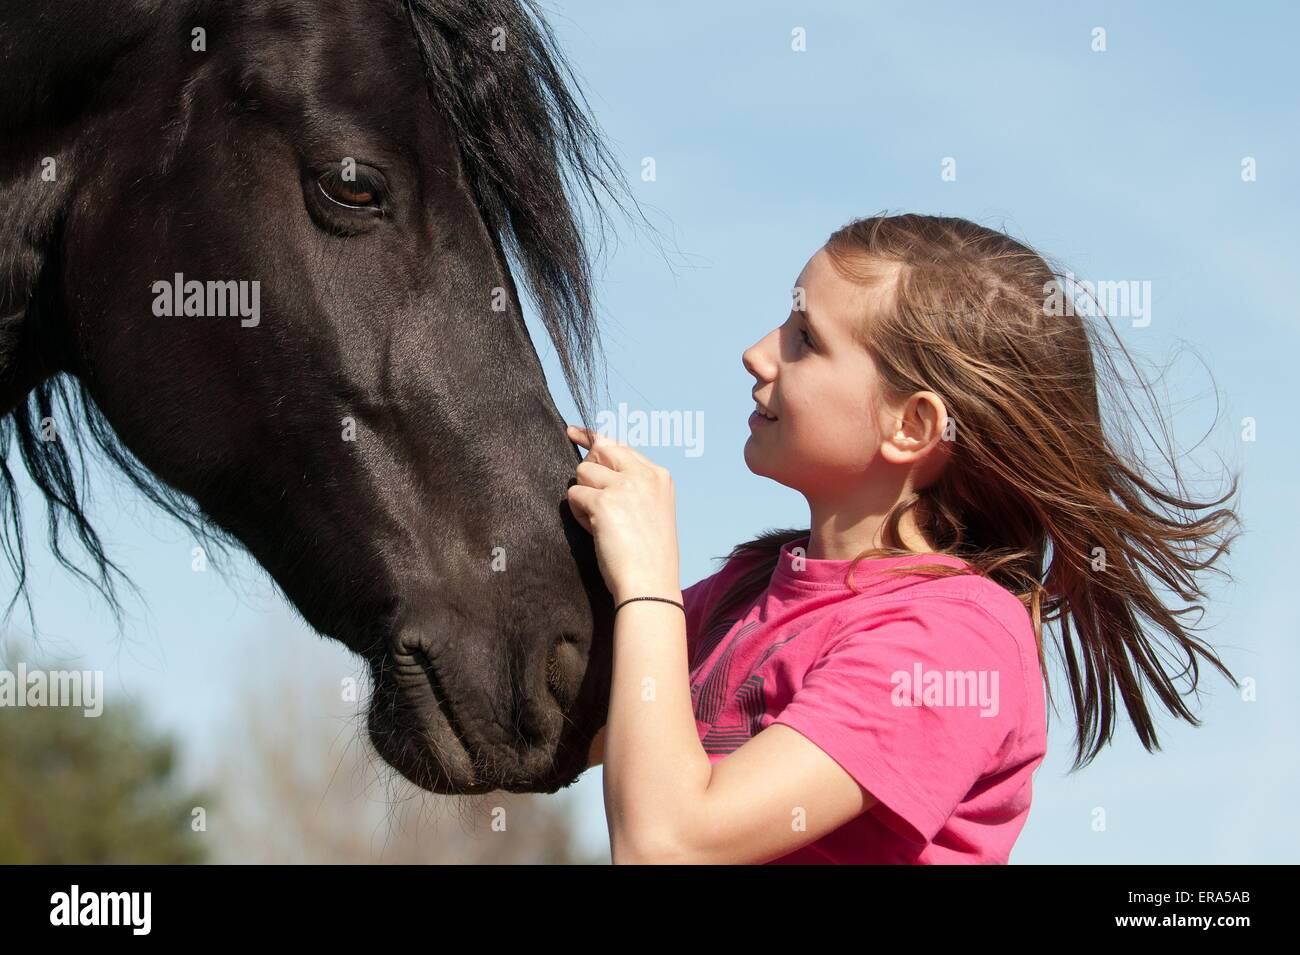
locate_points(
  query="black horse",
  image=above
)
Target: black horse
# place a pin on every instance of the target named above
(258, 252)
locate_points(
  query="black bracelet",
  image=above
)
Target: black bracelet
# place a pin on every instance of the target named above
(662, 599)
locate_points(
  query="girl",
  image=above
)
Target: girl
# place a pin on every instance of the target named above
(871, 688)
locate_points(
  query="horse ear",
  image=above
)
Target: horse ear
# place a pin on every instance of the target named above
(59, 65)
(55, 60)
(11, 392)
(19, 372)
(32, 210)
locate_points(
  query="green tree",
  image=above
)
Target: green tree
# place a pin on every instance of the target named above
(102, 789)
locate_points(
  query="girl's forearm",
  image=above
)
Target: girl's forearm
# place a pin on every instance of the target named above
(656, 770)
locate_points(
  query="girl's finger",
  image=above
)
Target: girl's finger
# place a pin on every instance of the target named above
(581, 499)
(594, 474)
(621, 454)
(602, 449)
(579, 436)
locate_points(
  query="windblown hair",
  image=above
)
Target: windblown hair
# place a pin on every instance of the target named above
(1038, 495)
(534, 157)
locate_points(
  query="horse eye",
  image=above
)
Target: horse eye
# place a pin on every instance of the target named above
(344, 200)
(346, 197)
(356, 194)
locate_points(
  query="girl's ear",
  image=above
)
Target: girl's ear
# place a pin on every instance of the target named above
(915, 429)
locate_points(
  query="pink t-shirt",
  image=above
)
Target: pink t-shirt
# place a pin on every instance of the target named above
(928, 692)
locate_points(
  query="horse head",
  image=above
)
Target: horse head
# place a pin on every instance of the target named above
(267, 246)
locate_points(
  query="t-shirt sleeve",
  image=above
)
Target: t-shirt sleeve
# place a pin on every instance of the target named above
(915, 705)
(694, 598)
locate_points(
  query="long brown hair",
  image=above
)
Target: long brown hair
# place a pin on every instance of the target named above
(1038, 495)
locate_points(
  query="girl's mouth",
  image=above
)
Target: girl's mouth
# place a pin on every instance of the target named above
(757, 420)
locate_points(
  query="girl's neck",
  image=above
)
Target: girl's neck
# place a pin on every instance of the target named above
(832, 540)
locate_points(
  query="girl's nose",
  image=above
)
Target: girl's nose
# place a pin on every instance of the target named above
(757, 358)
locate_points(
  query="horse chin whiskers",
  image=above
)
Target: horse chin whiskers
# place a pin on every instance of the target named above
(428, 742)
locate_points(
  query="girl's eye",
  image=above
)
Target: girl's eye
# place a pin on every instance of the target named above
(806, 339)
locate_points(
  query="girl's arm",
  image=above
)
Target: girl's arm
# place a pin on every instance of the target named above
(656, 769)
(665, 802)
(596, 754)
(775, 794)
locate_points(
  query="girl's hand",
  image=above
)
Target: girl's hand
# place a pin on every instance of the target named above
(628, 504)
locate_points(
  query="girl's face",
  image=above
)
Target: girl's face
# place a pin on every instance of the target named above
(822, 387)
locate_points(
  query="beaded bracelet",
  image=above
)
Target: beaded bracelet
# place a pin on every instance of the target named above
(662, 599)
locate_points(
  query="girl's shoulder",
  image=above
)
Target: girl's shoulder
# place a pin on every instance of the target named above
(984, 593)
(996, 601)
(938, 607)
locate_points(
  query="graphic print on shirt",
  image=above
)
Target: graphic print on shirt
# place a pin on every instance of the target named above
(708, 644)
(709, 695)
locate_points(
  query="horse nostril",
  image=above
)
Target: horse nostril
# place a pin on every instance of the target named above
(564, 669)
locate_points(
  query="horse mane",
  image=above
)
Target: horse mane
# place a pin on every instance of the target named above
(534, 157)
(531, 151)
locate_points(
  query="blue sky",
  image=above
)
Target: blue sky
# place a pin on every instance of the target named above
(1122, 165)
